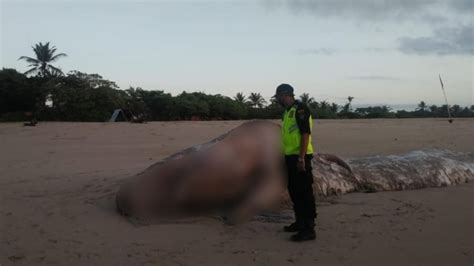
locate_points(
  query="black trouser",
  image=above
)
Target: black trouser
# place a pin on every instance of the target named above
(300, 188)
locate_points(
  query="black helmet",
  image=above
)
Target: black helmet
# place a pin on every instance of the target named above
(284, 89)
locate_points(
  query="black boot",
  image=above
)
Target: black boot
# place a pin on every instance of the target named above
(307, 233)
(294, 227)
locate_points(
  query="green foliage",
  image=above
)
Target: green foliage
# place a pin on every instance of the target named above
(437, 111)
(82, 97)
(199, 106)
(191, 106)
(19, 94)
(323, 110)
(256, 100)
(89, 97)
(16, 93)
(375, 112)
(346, 110)
(240, 98)
(306, 99)
(158, 105)
(135, 102)
(41, 65)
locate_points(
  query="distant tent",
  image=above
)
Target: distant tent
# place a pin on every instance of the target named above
(118, 116)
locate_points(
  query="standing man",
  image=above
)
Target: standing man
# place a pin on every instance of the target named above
(298, 150)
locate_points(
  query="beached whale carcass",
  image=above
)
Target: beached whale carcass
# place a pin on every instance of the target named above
(241, 172)
(236, 175)
(413, 170)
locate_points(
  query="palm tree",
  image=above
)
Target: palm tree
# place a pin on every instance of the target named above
(314, 105)
(455, 110)
(306, 99)
(422, 106)
(324, 105)
(42, 63)
(256, 100)
(240, 98)
(386, 109)
(347, 107)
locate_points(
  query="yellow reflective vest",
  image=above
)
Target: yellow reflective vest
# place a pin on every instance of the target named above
(291, 135)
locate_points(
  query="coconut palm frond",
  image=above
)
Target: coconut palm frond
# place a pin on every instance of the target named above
(30, 71)
(306, 99)
(54, 58)
(45, 55)
(256, 100)
(29, 59)
(240, 97)
(54, 71)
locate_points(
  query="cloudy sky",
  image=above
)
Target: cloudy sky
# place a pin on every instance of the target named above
(380, 52)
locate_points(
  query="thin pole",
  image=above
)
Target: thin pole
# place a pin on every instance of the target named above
(444, 93)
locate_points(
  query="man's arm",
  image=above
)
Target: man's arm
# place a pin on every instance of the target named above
(302, 119)
(304, 144)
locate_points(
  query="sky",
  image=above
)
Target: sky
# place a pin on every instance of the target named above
(378, 51)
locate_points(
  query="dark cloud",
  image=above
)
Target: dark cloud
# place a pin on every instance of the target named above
(377, 10)
(463, 6)
(364, 9)
(443, 41)
(443, 16)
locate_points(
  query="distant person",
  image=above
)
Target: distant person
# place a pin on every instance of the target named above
(298, 151)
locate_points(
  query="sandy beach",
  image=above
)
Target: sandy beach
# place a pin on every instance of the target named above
(58, 181)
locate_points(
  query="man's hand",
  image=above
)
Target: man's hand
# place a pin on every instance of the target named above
(300, 165)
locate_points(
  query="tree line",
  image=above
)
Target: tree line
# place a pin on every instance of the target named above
(47, 94)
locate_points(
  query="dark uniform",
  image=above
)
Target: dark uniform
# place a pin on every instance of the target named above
(300, 183)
